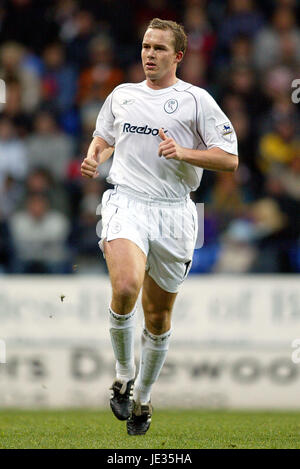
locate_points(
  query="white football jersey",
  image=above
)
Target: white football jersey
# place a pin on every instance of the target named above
(130, 120)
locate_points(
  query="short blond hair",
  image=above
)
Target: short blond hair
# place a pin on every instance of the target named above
(180, 37)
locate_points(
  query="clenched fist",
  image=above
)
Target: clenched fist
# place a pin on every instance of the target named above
(90, 164)
(169, 148)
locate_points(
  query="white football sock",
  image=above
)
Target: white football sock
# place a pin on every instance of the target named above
(154, 350)
(121, 329)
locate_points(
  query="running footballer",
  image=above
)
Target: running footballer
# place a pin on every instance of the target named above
(164, 132)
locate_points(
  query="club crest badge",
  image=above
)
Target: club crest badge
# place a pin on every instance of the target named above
(170, 106)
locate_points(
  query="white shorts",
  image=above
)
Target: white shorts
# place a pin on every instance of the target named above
(165, 230)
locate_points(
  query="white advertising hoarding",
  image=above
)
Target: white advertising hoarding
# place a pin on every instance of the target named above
(231, 346)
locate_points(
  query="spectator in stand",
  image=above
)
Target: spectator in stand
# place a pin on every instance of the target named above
(279, 147)
(81, 30)
(92, 191)
(240, 56)
(276, 86)
(275, 40)
(58, 79)
(96, 81)
(13, 160)
(13, 108)
(275, 189)
(255, 241)
(194, 69)
(40, 236)
(64, 15)
(85, 236)
(240, 80)
(227, 199)
(248, 174)
(12, 59)
(233, 103)
(102, 74)
(48, 147)
(201, 38)
(274, 237)
(40, 181)
(74, 182)
(237, 248)
(241, 51)
(242, 18)
(11, 195)
(289, 177)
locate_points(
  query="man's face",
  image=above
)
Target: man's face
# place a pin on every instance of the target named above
(159, 58)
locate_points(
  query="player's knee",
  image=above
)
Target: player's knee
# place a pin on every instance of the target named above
(158, 322)
(125, 290)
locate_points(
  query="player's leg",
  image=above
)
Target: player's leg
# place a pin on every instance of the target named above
(126, 266)
(157, 305)
(169, 260)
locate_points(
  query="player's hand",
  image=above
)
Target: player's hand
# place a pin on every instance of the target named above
(169, 148)
(90, 164)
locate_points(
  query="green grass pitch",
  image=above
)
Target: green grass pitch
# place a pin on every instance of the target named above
(170, 429)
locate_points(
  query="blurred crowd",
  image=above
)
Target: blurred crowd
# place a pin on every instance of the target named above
(60, 59)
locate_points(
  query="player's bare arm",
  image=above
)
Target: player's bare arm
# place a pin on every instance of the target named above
(214, 159)
(99, 151)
